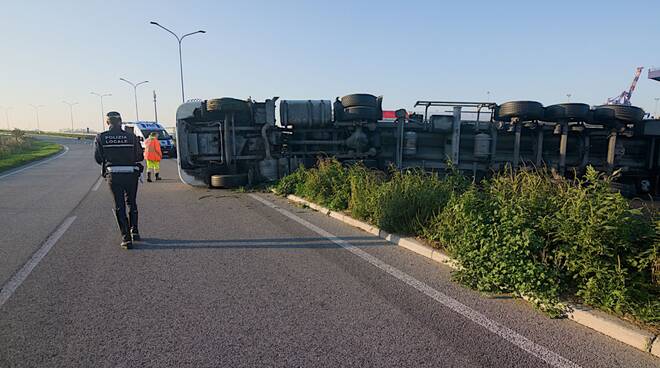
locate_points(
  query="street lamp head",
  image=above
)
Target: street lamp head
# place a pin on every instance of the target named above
(201, 31)
(154, 23)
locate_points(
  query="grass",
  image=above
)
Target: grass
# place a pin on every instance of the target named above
(57, 134)
(29, 151)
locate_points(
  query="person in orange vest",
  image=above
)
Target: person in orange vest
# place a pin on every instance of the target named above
(153, 155)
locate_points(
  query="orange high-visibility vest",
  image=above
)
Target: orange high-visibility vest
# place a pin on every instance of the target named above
(152, 150)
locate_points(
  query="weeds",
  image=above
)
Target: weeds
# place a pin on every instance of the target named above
(17, 149)
(524, 232)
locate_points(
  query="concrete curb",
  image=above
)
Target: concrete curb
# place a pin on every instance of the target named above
(608, 325)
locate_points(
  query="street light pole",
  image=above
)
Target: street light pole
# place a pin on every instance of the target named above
(179, 39)
(71, 110)
(135, 86)
(100, 96)
(155, 108)
(36, 109)
(655, 111)
(7, 116)
(568, 95)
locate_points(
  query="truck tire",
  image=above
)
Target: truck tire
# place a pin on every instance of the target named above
(228, 181)
(628, 114)
(361, 113)
(600, 115)
(227, 104)
(359, 99)
(523, 110)
(567, 112)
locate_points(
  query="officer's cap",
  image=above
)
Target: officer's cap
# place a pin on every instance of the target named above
(113, 118)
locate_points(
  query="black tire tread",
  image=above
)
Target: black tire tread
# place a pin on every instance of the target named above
(227, 104)
(359, 99)
(523, 110)
(567, 112)
(625, 113)
(361, 113)
(230, 181)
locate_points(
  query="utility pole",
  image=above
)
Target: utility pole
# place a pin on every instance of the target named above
(100, 96)
(179, 39)
(135, 86)
(36, 109)
(155, 108)
(71, 111)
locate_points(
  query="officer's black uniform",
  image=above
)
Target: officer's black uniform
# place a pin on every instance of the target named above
(121, 150)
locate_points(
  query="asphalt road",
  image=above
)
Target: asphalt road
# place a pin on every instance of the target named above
(224, 279)
(34, 201)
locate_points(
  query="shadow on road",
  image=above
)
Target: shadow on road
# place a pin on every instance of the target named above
(279, 243)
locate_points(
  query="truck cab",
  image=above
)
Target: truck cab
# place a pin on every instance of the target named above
(142, 129)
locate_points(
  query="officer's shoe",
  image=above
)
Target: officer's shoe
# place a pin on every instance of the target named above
(158, 177)
(127, 243)
(135, 235)
(149, 177)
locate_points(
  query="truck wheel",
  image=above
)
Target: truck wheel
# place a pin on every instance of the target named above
(523, 110)
(600, 115)
(228, 181)
(227, 104)
(359, 99)
(628, 114)
(361, 113)
(567, 112)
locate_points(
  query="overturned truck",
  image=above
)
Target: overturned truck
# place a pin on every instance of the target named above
(228, 142)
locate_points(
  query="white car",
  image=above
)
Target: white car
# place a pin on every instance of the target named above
(143, 129)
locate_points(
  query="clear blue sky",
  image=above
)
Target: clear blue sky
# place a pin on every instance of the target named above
(404, 50)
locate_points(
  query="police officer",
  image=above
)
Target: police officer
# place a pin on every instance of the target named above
(120, 155)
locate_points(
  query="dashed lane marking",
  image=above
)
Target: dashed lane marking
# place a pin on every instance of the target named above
(10, 287)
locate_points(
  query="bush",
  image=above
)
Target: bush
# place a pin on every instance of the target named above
(535, 235)
(289, 184)
(499, 235)
(407, 201)
(365, 183)
(606, 248)
(326, 184)
(525, 232)
(15, 143)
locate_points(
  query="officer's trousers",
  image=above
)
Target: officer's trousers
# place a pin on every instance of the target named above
(124, 191)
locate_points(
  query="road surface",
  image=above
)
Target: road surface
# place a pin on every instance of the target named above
(245, 279)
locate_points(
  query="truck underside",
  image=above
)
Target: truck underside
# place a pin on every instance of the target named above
(228, 142)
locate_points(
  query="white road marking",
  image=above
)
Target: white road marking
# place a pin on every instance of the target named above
(98, 184)
(66, 149)
(8, 289)
(506, 333)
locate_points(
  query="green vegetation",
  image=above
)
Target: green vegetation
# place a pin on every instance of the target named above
(56, 134)
(524, 232)
(16, 149)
